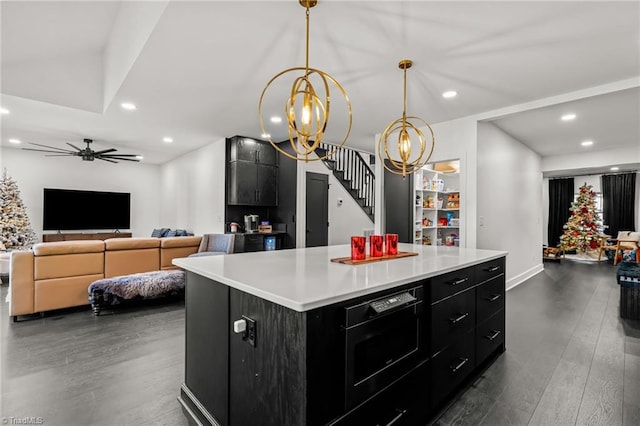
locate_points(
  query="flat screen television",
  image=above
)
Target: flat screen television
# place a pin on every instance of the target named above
(67, 209)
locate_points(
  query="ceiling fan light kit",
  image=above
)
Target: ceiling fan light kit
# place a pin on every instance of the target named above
(87, 154)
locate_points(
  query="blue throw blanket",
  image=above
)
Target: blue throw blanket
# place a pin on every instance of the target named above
(147, 285)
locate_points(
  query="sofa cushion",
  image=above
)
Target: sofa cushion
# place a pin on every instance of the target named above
(68, 265)
(131, 243)
(68, 247)
(180, 242)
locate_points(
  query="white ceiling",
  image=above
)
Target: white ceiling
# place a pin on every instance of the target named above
(196, 69)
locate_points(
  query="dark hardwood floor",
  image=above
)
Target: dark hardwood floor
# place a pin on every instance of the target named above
(570, 360)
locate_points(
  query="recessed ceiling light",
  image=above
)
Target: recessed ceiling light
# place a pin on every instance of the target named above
(128, 105)
(450, 94)
(276, 119)
(587, 143)
(139, 157)
(265, 135)
(568, 117)
(167, 139)
(15, 141)
(615, 169)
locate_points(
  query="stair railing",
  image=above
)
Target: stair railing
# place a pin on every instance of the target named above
(354, 173)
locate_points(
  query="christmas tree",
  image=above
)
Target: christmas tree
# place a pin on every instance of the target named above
(581, 232)
(15, 228)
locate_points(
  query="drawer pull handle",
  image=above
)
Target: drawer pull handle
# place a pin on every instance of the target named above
(458, 281)
(493, 298)
(455, 368)
(493, 269)
(460, 318)
(396, 418)
(495, 334)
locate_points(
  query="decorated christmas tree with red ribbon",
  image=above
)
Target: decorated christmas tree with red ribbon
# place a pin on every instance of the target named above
(581, 232)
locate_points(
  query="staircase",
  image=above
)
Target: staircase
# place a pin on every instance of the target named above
(353, 172)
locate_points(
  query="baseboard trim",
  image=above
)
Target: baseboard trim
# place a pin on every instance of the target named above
(519, 279)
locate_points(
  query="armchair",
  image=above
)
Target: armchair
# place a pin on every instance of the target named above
(215, 244)
(626, 240)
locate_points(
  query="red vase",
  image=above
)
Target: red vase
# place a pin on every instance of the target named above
(358, 248)
(375, 245)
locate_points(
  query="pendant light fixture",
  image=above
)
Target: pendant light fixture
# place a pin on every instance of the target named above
(307, 107)
(401, 162)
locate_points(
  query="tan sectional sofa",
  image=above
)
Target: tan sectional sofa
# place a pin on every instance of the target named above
(57, 275)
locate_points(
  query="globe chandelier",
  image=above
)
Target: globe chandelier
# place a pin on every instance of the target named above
(307, 109)
(397, 158)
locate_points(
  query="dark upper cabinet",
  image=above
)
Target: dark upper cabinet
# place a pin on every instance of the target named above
(252, 173)
(254, 151)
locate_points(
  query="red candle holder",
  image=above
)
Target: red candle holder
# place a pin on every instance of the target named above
(391, 242)
(358, 248)
(375, 245)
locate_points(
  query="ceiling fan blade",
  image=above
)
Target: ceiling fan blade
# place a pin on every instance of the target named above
(121, 155)
(118, 158)
(105, 151)
(70, 144)
(51, 147)
(106, 159)
(60, 155)
(46, 150)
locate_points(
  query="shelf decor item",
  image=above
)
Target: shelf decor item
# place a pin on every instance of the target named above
(358, 248)
(307, 107)
(375, 245)
(391, 244)
(401, 162)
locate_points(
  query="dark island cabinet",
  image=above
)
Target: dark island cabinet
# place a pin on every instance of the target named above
(292, 368)
(252, 173)
(467, 327)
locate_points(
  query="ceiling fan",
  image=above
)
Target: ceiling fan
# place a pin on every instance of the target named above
(87, 153)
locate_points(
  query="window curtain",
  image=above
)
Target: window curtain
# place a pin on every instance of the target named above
(560, 198)
(619, 202)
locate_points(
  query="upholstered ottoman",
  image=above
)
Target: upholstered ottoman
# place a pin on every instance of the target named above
(146, 285)
(628, 275)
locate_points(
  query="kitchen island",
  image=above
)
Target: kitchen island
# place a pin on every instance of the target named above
(290, 338)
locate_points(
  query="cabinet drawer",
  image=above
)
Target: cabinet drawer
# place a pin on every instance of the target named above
(451, 367)
(488, 270)
(451, 318)
(490, 298)
(402, 403)
(451, 283)
(489, 336)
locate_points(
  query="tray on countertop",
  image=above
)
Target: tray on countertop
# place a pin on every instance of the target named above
(368, 259)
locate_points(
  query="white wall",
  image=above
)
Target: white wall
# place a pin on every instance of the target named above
(344, 220)
(192, 195)
(509, 192)
(34, 172)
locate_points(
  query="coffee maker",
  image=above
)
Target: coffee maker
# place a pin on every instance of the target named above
(251, 223)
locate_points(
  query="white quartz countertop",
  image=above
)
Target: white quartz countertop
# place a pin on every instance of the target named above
(304, 279)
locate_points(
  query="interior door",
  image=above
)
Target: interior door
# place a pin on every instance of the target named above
(317, 210)
(398, 206)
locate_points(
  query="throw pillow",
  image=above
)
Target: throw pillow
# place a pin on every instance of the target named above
(170, 233)
(181, 232)
(156, 233)
(165, 231)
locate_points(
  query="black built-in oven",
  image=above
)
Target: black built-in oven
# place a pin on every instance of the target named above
(383, 341)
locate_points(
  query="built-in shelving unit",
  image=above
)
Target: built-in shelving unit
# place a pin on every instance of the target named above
(437, 204)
